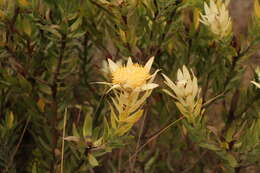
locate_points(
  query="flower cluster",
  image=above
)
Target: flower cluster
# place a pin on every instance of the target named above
(132, 85)
(217, 18)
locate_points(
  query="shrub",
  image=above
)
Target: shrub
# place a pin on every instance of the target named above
(185, 96)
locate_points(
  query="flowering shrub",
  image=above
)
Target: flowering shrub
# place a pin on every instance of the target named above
(128, 86)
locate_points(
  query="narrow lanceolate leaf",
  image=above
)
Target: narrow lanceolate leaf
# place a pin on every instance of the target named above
(72, 138)
(74, 130)
(170, 94)
(123, 129)
(153, 76)
(24, 3)
(210, 146)
(197, 109)
(27, 26)
(87, 127)
(44, 145)
(123, 116)
(140, 101)
(41, 104)
(92, 160)
(231, 159)
(10, 120)
(113, 117)
(196, 18)
(182, 109)
(34, 168)
(76, 24)
(135, 117)
(118, 108)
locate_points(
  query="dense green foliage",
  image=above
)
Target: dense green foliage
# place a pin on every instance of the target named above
(54, 118)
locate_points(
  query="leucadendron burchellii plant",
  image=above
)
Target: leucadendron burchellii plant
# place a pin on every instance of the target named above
(54, 119)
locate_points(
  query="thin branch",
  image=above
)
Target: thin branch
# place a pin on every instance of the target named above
(192, 166)
(18, 145)
(55, 101)
(138, 143)
(63, 136)
(155, 136)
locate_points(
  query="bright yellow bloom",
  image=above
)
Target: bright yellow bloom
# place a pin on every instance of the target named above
(132, 76)
(217, 18)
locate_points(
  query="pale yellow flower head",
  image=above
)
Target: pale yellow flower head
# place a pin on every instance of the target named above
(186, 85)
(217, 18)
(132, 76)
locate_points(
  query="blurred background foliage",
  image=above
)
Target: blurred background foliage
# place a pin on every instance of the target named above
(51, 52)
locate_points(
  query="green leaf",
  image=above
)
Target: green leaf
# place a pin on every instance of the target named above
(74, 130)
(45, 145)
(229, 158)
(123, 129)
(210, 146)
(76, 24)
(113, 118)
(92, 160)
(52, 29)
(87, 127)
(232, 161)
(135, 117)
(27, 28)
(34, 168)
(24, 83)
(10, 120)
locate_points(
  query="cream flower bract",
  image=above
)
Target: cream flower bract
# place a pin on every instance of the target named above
(132, 76)
(217, 18)
(186, 92)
